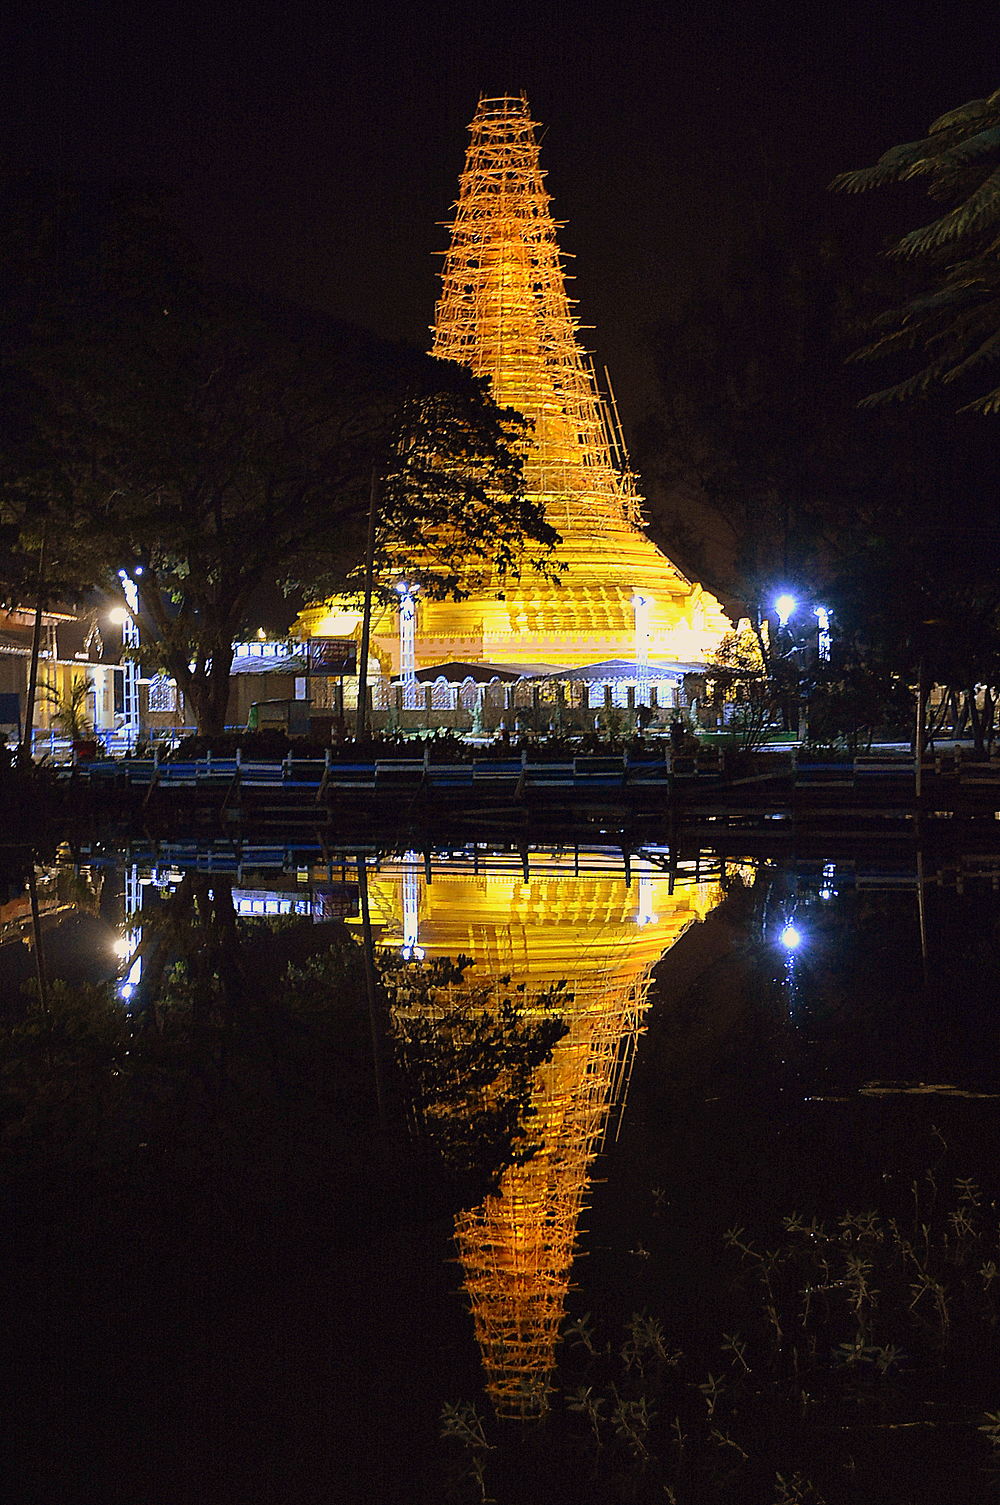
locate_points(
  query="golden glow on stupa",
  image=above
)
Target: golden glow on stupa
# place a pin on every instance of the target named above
(570, 920)
(504, 312)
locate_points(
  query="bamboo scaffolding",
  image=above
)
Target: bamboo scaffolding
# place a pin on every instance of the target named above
(504, 312)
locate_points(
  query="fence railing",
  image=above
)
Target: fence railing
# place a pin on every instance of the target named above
(56, 747)
(495, 698)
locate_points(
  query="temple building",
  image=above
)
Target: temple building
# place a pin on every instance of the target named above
(573, 918)
(504, 312)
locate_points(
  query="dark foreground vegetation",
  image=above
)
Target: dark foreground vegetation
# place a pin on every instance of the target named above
(790, 1293)
(227, 1236)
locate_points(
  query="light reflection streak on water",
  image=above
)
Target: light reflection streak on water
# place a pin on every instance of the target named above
(132, 890)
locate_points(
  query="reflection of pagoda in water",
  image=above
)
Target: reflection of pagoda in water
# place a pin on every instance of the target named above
(562, 920)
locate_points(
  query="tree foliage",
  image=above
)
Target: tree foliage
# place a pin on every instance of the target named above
(469, 1052)
(756, 450)
(887, 517)
(954, 318)
(216, 445)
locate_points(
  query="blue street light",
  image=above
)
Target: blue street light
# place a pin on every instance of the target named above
(785, 606)
(791, 938)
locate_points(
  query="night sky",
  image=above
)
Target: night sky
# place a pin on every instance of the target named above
(313, 150)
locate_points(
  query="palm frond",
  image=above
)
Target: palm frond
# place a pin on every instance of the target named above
(988, 404)
(974, 110)
(978, 145)
(956, 319)
(890, 168)
(980, 210)
(989, 350)
(904, 391)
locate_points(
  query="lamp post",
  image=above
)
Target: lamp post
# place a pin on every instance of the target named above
(780, 661)
(130, 648)
(793, 644)
(407, 632)
(640, 606)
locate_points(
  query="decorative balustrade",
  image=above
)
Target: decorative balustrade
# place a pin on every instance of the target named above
(495, 700)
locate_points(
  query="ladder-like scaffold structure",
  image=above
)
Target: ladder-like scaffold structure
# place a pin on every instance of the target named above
(504, 312)
(602, 937)
(517, 1248)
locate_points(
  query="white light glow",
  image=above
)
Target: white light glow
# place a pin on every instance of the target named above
(791, 938)
(785, 605)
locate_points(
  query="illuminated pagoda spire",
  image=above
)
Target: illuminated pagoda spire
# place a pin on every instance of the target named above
(504, 312)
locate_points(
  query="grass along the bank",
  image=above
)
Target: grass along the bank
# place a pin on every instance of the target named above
(855, 1362)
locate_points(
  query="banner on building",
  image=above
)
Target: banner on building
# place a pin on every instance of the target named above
(10, 710)
(332, 656)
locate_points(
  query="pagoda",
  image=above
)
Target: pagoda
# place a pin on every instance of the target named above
(504, 312)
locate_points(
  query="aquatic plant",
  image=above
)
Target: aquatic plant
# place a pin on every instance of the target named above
(865, 1344)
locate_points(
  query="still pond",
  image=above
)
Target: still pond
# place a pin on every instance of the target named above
(680, 1185)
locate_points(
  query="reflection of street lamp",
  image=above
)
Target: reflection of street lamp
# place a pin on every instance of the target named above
(641, 605)
(407, 631)
(127, 945)
(412, 952)
(791, 938)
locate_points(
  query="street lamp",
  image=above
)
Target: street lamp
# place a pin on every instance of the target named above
(407, 631)
(641, 605)
(785, 606)
(130, 649)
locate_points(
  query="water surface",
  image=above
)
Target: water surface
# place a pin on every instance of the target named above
(275, 1292)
